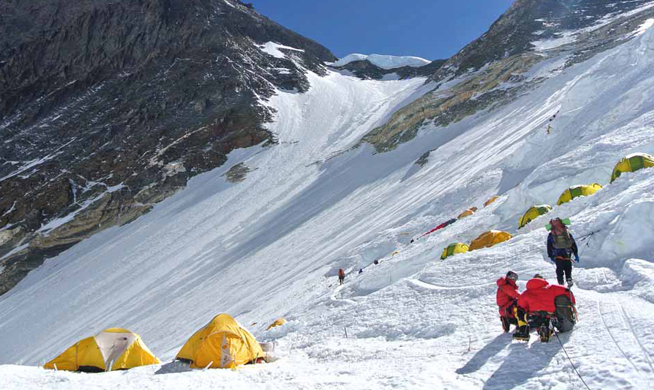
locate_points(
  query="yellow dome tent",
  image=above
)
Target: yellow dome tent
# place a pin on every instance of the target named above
(467, 213)
(490, 238)
(222, 343)
(632, 163)
(110, 350)
(533, 213)
(453, 249)
(491, 200)
(577, 191)
(278, 322)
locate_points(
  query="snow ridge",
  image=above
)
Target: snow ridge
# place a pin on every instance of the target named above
(383, 61)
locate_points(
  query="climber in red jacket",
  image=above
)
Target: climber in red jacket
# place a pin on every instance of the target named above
(507, 297)
(542, 305)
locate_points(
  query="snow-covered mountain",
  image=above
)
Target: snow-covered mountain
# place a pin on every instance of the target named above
(107, 107)
(263, 235)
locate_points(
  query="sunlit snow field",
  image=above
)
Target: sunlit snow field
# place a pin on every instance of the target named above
(270, 246)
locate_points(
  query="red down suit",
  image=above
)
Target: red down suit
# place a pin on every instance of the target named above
(507, 292)
(540, 296)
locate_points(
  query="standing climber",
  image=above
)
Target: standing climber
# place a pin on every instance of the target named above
(561, 246)
(544, 307)
(341, 276)
(507, 297)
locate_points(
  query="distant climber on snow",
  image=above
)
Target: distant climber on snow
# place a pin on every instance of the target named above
(545, 307)
(561, 246)
(507, 298)
(341, 276)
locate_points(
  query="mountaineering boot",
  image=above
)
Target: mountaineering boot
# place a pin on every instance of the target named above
(522, 334)
(570, 282)
(545, 333)
(505, 324)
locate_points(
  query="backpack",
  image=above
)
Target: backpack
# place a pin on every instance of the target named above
(566, 314)
(562, 239)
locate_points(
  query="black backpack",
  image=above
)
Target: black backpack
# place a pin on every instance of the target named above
(566, 314)
(562, 240)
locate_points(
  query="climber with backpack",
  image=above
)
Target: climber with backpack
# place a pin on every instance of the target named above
(561, 246)
(506, 298)
(546, 308)
(341, 276)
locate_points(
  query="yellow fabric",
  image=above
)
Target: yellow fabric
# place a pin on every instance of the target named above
(116, 330)
(67, 361)
(83, 353)
(453, 249)
(533, 213)
(490, 238)
(491, 200)
(86, 353)
(521, 321)
(136, 355)
(625, 165)
(582, 190)
(278, 322)
(467, 213)
(222, 343)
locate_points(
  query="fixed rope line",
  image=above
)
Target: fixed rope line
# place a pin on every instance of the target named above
(571, 363)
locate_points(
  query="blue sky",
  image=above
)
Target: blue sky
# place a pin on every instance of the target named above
(430, 29)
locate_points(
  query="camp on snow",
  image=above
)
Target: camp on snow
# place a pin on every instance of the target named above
(489, 238)
(577, 191)
(222, 343)
(452, 249)
(533, 213)
(110, 350)
(441, 226)
(632, 163)
(467, 213)
(278, 322)
(491, 200)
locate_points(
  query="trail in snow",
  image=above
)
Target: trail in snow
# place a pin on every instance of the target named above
(271, 245)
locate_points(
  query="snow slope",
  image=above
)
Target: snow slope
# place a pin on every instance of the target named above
(270, 246)
(383, 61)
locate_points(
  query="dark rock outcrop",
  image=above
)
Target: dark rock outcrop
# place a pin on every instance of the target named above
(490, 71)
(109, 106)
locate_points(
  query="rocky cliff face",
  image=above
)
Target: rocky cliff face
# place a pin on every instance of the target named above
(109, 106)
(493, 70)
